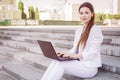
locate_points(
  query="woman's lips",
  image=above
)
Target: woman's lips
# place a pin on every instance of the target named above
(83, 19)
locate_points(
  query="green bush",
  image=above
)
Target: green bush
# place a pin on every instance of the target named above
(5, 22)
(100, 17)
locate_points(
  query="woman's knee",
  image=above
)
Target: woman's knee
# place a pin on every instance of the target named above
(55, 62)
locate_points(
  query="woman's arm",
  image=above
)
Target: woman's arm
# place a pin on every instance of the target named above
(93, 48)
(75, 56)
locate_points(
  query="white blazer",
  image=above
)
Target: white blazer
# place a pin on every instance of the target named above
(91, 53)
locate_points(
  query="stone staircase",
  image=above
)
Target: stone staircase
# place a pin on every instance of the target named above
(22, 59)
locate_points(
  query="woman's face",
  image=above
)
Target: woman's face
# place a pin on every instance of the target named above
(85, 15)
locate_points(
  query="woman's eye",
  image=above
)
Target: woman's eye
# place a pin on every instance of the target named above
(86, 12)
(81, 12)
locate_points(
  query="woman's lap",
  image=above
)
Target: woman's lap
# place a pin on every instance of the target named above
(76, 68)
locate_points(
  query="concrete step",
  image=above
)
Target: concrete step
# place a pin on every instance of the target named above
(47, 29)
(33, 47)
(22, 71)
(22, 46)
(69, 37)
(10, 52)
(106, 49)
(57, 43)
(4, 60)
(59, 36)
(13, 37)
(34, 39)
(111, 63)
(17, 33)
(115, 60)
(34, 58)
(39, 61)
(1, 32)
(67, 77)
(19, 54)
(111, 50)
(112, 31)
(6, 48)
(1, 43)
(102, 75)
(5, 37)
(45, 62)
(62, 29)
(109, 40)
(5, 76)
(42, 63)
(114, 40)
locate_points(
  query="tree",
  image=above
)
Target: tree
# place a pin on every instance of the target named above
(36, 13)
(31, 12)
(21, 7)
(24, 16)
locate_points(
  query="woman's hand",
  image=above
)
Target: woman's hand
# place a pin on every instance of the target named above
(63, 54)
(60, 54)
(74, 56)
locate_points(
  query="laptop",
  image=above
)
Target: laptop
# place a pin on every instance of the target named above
(49, 51)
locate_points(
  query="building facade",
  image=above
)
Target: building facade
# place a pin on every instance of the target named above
(8, 10)
(109, 6)
(68, 9)
(119, 6)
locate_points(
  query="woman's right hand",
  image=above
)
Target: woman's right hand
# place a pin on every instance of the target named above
(63, 54)
(60, 54)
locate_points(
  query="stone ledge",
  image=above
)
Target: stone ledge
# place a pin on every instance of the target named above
(5, 76)
(22, 71)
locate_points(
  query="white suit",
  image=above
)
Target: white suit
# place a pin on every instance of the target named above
(86, 67)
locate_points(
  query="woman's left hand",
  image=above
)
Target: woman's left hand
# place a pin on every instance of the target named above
(70, 55)
(74, 56)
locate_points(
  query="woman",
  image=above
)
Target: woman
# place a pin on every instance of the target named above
(86, 48)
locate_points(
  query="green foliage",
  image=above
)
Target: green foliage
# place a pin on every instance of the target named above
(21, 7)
(100, 17)
(116, 16)
(5, 22)
(36, 13)
(24, 16)
(31, 12)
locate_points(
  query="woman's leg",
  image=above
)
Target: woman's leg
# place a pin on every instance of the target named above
(57, 68)
(54, 72)
(77, 68)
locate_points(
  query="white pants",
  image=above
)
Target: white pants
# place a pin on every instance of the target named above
(57, 68)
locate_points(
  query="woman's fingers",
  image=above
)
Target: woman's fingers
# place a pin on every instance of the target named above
(66, 55)
(72, 56)
(60, 54)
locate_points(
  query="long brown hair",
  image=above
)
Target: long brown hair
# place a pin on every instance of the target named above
(85, 34)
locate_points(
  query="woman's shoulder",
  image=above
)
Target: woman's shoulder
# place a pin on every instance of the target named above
(96, 28)
(96, 31)
(79, 28)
